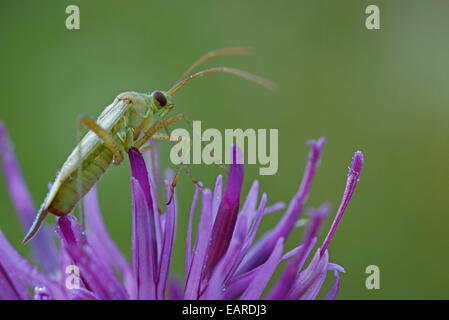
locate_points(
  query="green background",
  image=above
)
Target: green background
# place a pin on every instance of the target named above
(381, 91)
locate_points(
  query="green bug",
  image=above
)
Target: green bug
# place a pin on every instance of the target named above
(131, 120)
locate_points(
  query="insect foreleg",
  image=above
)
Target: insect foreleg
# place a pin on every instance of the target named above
(108, 140)
(164, 114)
(157, 126)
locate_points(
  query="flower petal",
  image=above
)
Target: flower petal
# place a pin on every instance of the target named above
(153, 194)
(305, 279)
(42, 244)
(335, 267)
(224, 223)
(278, 206)
(260, 252)
(94, 272)
(218, 190)
(192, 289)
(351, 183)
(188, 255)
(11, 287)
(140, 173)
(286, 281)
(298, 249)
(82, 294)
(175, 290)
(153, 163)
(25, 272)
(334, 290)
(67, 271)
(143, 255)
(257, 286)
(315, 287)
(167, 245)
(213, 290)
(242, 240)
(239, 283)
(249, 206)
(100, 241)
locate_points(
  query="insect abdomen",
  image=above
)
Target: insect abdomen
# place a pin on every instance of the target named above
(93, 168)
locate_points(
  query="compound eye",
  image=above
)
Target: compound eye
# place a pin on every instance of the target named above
(160, 98)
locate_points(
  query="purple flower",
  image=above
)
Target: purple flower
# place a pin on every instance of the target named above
(226, 260)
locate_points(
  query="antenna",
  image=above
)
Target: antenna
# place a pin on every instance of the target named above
(216, 53)
(240, 73)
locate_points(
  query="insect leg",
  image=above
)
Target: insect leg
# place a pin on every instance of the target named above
(108, 140)
(181, 166)
(164, 137)
(163, 124)
(147, 148)
(160, 136)
(159, 125)
(151, 133)
(189, 123)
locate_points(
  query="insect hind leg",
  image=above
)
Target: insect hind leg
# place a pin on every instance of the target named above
(107, 139)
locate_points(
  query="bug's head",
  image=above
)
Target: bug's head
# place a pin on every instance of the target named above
(161, 100)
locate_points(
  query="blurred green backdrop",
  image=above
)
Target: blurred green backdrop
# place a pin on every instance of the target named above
(383, 92)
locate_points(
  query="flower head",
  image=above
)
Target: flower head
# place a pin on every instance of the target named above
(225, 262)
